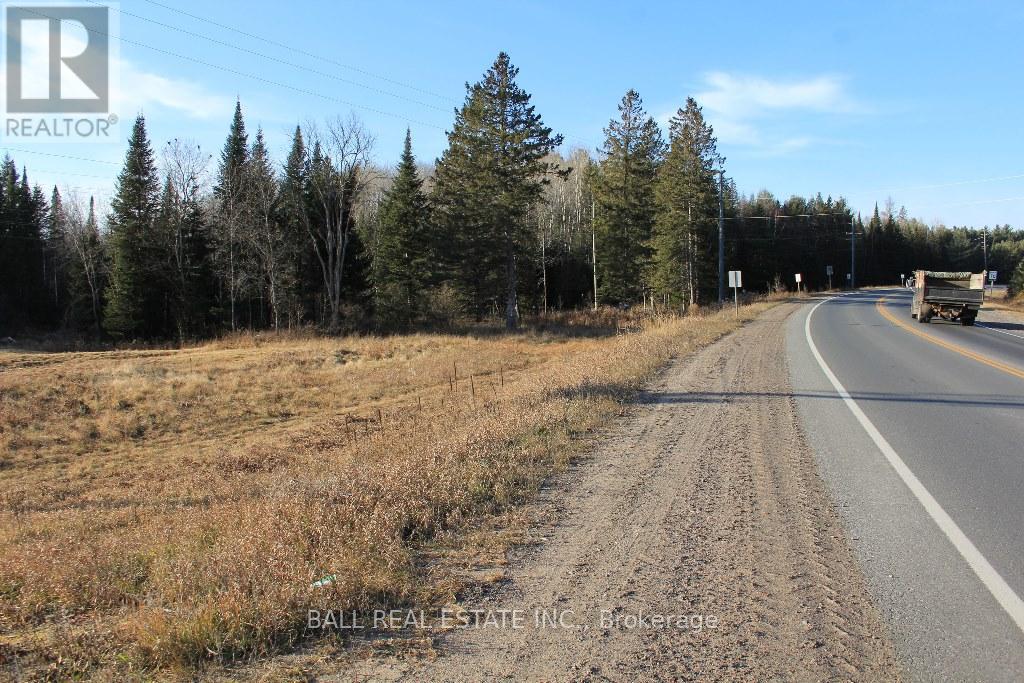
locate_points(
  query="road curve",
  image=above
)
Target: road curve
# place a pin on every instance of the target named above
(703, 500)
(949, 401)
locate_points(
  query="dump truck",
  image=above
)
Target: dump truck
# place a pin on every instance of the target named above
(956, 297)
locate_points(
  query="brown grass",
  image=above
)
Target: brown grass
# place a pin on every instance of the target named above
(997, 300)
(161, 510)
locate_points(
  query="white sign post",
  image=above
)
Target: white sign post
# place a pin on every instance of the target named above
(992, 275)
(828, 271)
(736, 281)
(799, 279)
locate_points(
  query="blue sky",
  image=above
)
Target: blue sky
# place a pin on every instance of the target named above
(920, 101)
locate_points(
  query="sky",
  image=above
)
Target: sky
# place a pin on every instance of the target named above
(920, 102)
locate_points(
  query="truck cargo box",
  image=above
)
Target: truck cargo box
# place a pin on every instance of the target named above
(954, 296)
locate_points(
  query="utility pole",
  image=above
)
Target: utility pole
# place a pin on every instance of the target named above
(593, 246)
(984, 247)
(984, 254)
(544, 272)
(853, 254)
(721, 236)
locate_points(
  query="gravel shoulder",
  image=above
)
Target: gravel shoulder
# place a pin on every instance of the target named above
(703, 501)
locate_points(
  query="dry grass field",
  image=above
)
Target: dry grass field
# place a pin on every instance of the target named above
(998, 300)
(164, 511)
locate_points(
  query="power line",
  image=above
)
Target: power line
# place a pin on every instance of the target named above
(973, 203)
(262, 55)
(300, 51)
(585, 142)
(61, 156)
(248, 75)
(281, 61)
(63, 173)
(954, 183)
(792, 215)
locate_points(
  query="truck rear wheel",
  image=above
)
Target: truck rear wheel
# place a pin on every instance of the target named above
(967, 322)
(924, 315)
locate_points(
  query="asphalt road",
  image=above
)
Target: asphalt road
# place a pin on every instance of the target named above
(948, 401)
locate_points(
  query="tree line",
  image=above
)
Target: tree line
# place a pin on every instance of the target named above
(499, 225)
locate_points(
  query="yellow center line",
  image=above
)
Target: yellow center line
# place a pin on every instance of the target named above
(1008, 369)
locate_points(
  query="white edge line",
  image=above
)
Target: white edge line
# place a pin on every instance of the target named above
(995, 583)
(996, 329)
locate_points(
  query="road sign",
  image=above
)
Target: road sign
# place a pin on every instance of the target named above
(992, 275)
(736, 281)
(828, 271)
(799, 278)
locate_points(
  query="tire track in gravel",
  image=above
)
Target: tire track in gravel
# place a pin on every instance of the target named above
(704, 500)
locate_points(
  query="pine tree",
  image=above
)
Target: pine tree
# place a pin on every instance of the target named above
(625, 202)
(229, 195)
(1016, 289)
(487, 180)
(684, 259)
(167, 229)
(23, 289)
(303, 293)
(401, 261)
(269, 241)
(184, 239)
(873, 241)
(55, 259)
(131, 295)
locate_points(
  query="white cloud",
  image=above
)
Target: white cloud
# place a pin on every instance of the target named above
(142, 90)
(739, 106)
(139, 89)
(750, 96)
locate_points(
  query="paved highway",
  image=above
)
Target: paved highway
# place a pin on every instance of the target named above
(925, 458)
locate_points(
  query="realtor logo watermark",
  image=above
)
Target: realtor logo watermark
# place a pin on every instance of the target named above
(59, 71)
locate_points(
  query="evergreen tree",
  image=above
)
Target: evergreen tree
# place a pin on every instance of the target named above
(184, 240)
(356, 279)
(401, 262)
(303, 295)
(270, 244)
(230, 221)
(625, 202)
(687, 209)
(873, 246)
(23, 287)
(486, 181)
(55, 259)
(1016, 289)
(167, 230)
(132, 295)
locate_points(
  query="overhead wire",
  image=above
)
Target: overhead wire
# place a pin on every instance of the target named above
(299, 50)
(244, 74)
(272, 58)
(60, 156)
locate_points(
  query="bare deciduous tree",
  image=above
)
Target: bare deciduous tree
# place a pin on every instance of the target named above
(338, 160)
(82, 244)
(186, 172)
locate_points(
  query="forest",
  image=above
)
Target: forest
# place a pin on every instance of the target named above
(504, 224)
